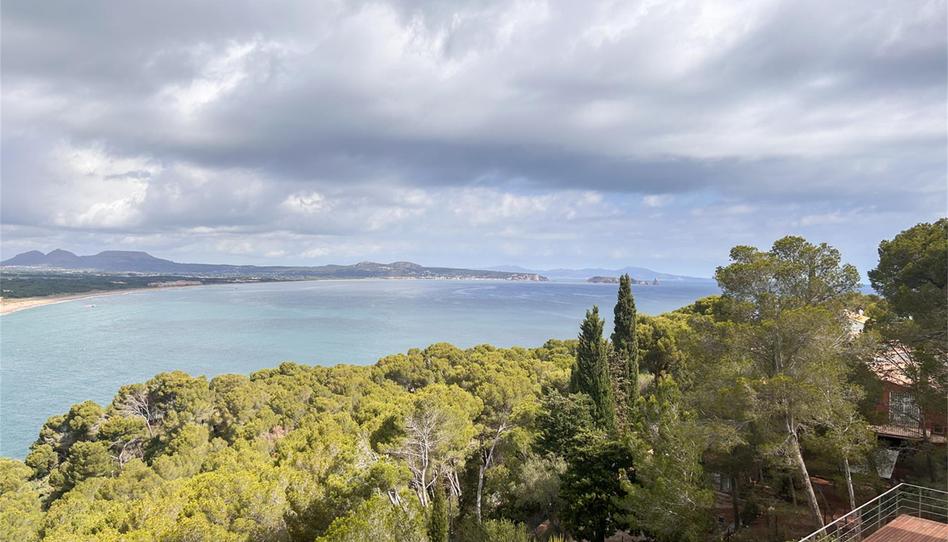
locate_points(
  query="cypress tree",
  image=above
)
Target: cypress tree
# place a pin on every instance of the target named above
(591, 371)
(623, 337)
(438, 522)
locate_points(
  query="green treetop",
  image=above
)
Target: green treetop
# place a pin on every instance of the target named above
(787, 305)
(670, 499)
(623, 336)
(591, 372)
(912, 275)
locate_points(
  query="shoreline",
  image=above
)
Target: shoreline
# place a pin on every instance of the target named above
(10, 306)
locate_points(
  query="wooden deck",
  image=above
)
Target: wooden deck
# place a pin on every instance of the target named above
(911, 529)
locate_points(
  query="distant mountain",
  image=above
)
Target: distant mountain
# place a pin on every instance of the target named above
(122, 261)
(62, 258)
(638, 273)
(33, 257)
(110, 260)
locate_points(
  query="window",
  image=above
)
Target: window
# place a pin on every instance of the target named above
(902, 409)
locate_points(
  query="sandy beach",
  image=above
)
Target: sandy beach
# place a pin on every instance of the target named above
(9, 306)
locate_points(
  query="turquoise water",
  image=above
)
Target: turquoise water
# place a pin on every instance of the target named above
(57, 355)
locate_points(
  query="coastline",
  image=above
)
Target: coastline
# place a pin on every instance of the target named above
(10, 306)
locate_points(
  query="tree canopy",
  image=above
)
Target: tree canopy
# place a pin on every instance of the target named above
(750, 392)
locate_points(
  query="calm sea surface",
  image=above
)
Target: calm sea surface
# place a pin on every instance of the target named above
(57, 355)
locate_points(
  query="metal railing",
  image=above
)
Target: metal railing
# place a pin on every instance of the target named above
(903, 499)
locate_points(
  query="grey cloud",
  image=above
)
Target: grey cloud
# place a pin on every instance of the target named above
(798, 107)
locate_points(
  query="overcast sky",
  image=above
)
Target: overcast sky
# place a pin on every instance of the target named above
(466, 133)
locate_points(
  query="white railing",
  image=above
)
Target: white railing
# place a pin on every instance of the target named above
(903, 499)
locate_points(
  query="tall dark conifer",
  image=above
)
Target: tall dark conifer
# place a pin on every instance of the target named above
(438, 529)
(591, 371)
(623, 337)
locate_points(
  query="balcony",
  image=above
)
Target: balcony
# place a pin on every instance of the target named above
(905, 513)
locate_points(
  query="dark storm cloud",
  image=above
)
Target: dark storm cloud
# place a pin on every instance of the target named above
(356, 120)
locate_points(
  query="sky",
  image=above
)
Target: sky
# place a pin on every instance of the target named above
(470, 133)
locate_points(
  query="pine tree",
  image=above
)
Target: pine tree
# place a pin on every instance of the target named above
(786, 303)
(591, 371)
(438, 522)
(623, 337)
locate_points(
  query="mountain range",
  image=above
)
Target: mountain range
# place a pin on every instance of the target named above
(125, 261)
(122, 261)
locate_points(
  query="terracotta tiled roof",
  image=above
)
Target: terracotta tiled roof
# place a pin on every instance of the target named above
(893, 365)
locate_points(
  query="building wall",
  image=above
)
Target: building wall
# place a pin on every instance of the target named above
(891, 391)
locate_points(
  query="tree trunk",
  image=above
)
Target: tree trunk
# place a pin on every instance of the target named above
(793, 489)
(600, 534)
(422, 491)
(734, 504)
(807, 485)
(394, 498)
(931, 465)
(486, 460)
(849, 483)
(772, 524)
(457, 484)
(480, 490)
(927, 447)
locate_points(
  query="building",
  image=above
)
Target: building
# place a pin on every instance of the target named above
(904, 420)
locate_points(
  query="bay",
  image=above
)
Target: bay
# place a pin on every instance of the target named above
(56, 355)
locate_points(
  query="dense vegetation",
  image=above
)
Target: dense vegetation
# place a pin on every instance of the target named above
(15, 285)
(762, 386)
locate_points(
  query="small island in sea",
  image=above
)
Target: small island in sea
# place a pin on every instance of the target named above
(615, 280)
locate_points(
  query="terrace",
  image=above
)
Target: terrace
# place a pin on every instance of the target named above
(905, 513)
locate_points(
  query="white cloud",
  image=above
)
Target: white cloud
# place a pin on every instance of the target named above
(657, 200)
(220, 73)
(306, 203)
(824, 218)
(321, 129)
(95, 190)
(481, 206)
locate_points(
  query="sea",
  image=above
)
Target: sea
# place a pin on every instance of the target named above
(56, 355)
